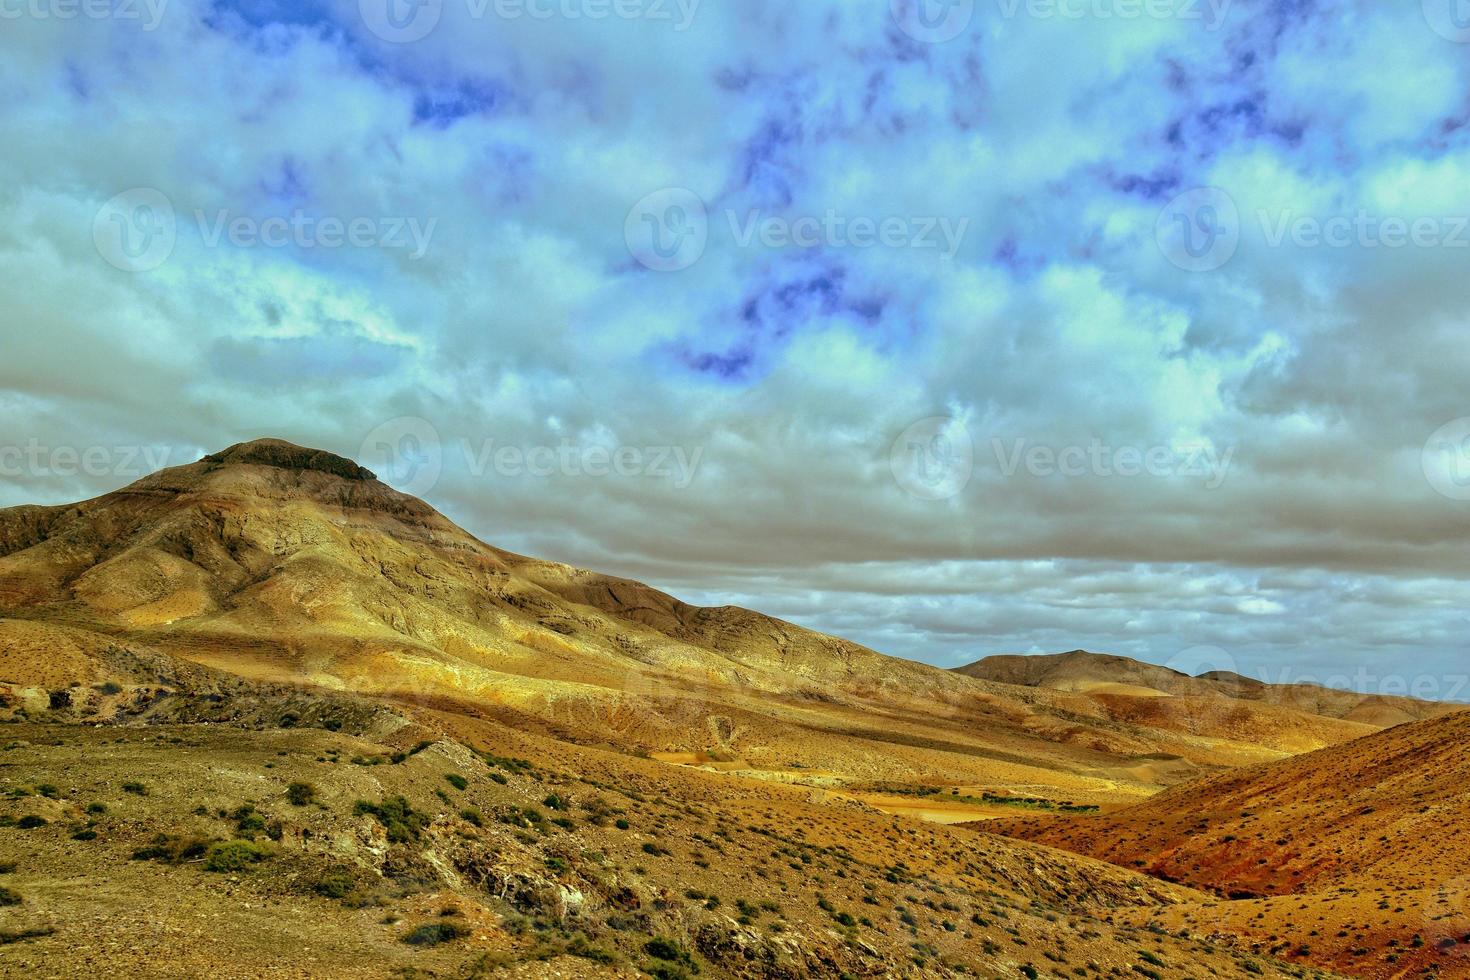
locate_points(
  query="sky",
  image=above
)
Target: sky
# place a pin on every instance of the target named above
(954, 327)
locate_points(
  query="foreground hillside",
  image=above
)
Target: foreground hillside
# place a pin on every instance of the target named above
(262, 833)
(1348, 857)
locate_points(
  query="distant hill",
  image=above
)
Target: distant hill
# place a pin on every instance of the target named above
(1120, 681)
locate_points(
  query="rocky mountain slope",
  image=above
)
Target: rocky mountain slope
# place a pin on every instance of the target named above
(1355, 844)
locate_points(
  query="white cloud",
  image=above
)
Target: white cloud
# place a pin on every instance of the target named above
(1058, 321)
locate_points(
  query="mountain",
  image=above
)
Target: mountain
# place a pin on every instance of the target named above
(1346, 852)
(1291, 717)
(283, 564)
(266, 716)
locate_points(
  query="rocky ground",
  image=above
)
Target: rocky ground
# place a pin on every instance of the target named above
(187, 850)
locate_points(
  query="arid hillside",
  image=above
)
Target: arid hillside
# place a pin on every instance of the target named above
(288, 565)
(1290, 717)
(1104, 675)
(1349, 854)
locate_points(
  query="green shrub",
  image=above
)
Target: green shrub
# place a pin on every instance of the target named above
(234, 855)
(471, 815)
(98, 808)
(300, 794)
(435, 933)
(137, 789)
(337, 883)
(247, 821)
(172, 850)
(456, 780)
(9, 896)
(400, 820)
(670, 951)
(30, 822)
(48, 791)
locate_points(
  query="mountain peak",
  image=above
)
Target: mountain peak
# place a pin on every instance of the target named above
(289, 456)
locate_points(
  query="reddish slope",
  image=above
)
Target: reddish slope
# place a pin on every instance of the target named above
(1379, 811)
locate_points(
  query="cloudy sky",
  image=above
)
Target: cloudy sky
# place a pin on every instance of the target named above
(951, 327)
